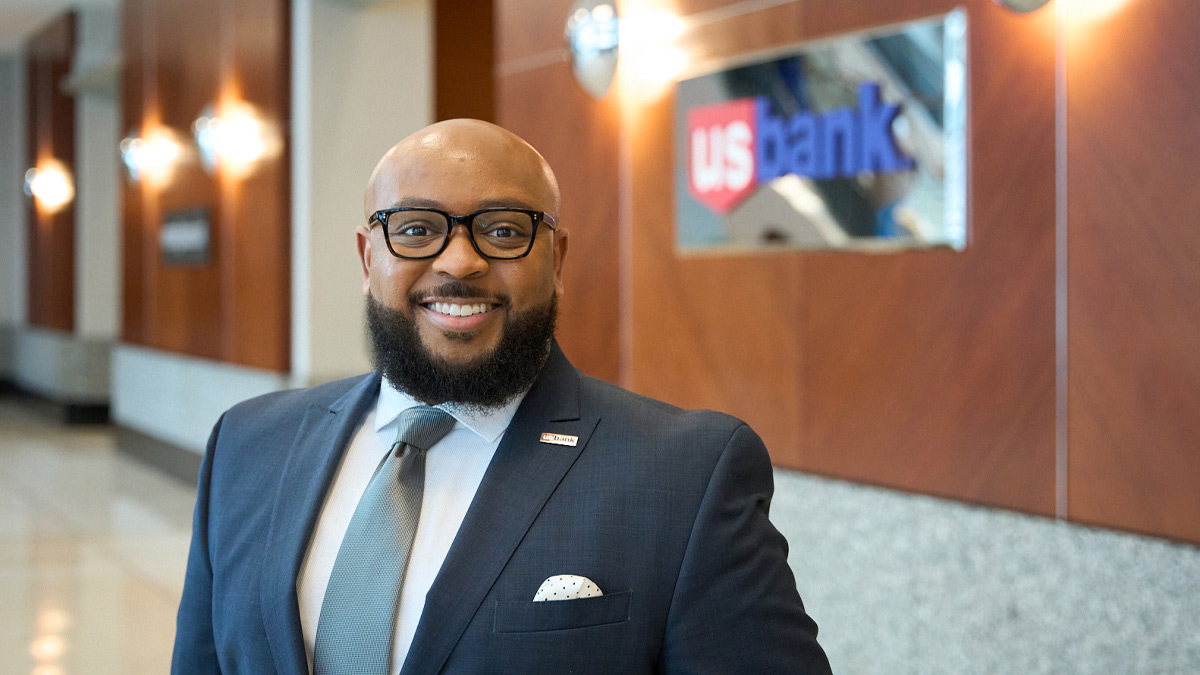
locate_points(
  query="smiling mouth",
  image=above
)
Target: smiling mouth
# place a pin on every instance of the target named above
(456, 309)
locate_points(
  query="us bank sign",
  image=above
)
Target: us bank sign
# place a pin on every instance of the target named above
(855, 143)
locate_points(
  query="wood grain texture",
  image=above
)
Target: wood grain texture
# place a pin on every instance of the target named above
(185, 299)
(710, 332)
(464, 60)
(1134, 298)
(51, 124)
(236, 306)
(578, 137)
(133, 100)
(525, 29)
(256, 208)
(934, 371)
(930, 371)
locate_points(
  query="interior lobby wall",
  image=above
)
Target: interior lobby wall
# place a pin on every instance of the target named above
(1133, 296)
(925, 370)
(51, 137)
(97, 195)
(931, 371)
(538, 98)
(359, 79)
(12, 208)
(363, 79)
(234, 305)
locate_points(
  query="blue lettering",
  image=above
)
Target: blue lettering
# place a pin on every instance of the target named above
(805, 129)
(770, 143)
(879, 151)
(837, 144)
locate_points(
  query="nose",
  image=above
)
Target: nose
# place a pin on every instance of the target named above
(460, 259)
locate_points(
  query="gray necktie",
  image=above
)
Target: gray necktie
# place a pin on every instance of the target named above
(358, 614)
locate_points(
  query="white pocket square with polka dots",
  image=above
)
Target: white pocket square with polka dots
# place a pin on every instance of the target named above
(567, 587)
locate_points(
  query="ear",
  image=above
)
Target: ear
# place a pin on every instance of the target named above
(363, 234)
(560, 255)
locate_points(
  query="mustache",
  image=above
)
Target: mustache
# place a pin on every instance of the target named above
(455, 289)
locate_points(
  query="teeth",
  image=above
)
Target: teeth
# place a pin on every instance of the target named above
(452, 309)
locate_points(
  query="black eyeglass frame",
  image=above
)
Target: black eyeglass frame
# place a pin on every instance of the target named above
(381, 216)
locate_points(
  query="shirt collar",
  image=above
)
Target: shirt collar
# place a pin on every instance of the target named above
(487, 424)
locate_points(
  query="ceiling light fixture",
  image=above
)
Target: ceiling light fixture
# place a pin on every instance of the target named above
(1023, 6)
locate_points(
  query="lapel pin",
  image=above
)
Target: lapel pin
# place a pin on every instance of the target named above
(560, 439)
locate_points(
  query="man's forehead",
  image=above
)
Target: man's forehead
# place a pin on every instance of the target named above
(483, 202)
(462, 164)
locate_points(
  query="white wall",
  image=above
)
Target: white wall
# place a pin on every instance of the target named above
(12, 199)
(12, 208)
(97, 203)
(362, 80)
(177, 398)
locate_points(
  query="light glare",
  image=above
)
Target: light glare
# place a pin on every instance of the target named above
(234, 140)
(1090, 10)
(152, 158)
(51, 185)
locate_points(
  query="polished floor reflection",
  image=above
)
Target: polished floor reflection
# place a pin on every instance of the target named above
(92, 552)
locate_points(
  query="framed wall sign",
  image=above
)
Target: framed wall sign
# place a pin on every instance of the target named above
(858, 142)
(186, 237)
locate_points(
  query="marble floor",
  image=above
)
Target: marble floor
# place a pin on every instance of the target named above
(92, 551)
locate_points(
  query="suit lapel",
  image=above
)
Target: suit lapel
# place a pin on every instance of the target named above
(321, 441)
(522, 475)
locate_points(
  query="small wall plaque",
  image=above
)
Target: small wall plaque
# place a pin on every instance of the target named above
(186, 237)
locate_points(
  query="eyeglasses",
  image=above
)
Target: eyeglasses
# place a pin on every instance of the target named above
(498, 234)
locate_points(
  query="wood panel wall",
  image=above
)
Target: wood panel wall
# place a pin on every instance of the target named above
(1134, 294)
(464, 55)
(929, 371)
(51, 135)
(235, 307)
(538, 98)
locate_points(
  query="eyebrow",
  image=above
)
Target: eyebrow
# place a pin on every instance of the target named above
(423, 203)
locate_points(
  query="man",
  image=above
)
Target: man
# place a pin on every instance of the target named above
(526, 479)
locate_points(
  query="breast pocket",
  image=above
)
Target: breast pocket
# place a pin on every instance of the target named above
(531, 617)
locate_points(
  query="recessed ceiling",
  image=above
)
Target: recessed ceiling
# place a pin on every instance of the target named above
(20, 18)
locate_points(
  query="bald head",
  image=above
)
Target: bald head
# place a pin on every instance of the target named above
(460, 160)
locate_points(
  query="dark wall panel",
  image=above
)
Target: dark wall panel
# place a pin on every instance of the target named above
(51, 135)
(464, 58)
(1134, 300)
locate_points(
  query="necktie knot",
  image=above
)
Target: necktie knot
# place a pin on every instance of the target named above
(423, 426)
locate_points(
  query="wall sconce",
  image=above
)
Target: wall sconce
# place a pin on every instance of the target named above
(593, 38)
(1023, 6)
(645, 42)
(51, 185)
(1078, 10)
(234, 140)
(152, 158)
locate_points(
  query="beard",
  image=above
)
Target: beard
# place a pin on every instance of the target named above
(489, 381)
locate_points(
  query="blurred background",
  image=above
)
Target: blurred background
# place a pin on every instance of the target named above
(987, 455)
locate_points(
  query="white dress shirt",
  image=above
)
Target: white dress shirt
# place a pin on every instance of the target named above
(454, 466)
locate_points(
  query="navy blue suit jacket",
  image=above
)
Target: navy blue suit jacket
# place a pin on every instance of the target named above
(665, 509)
